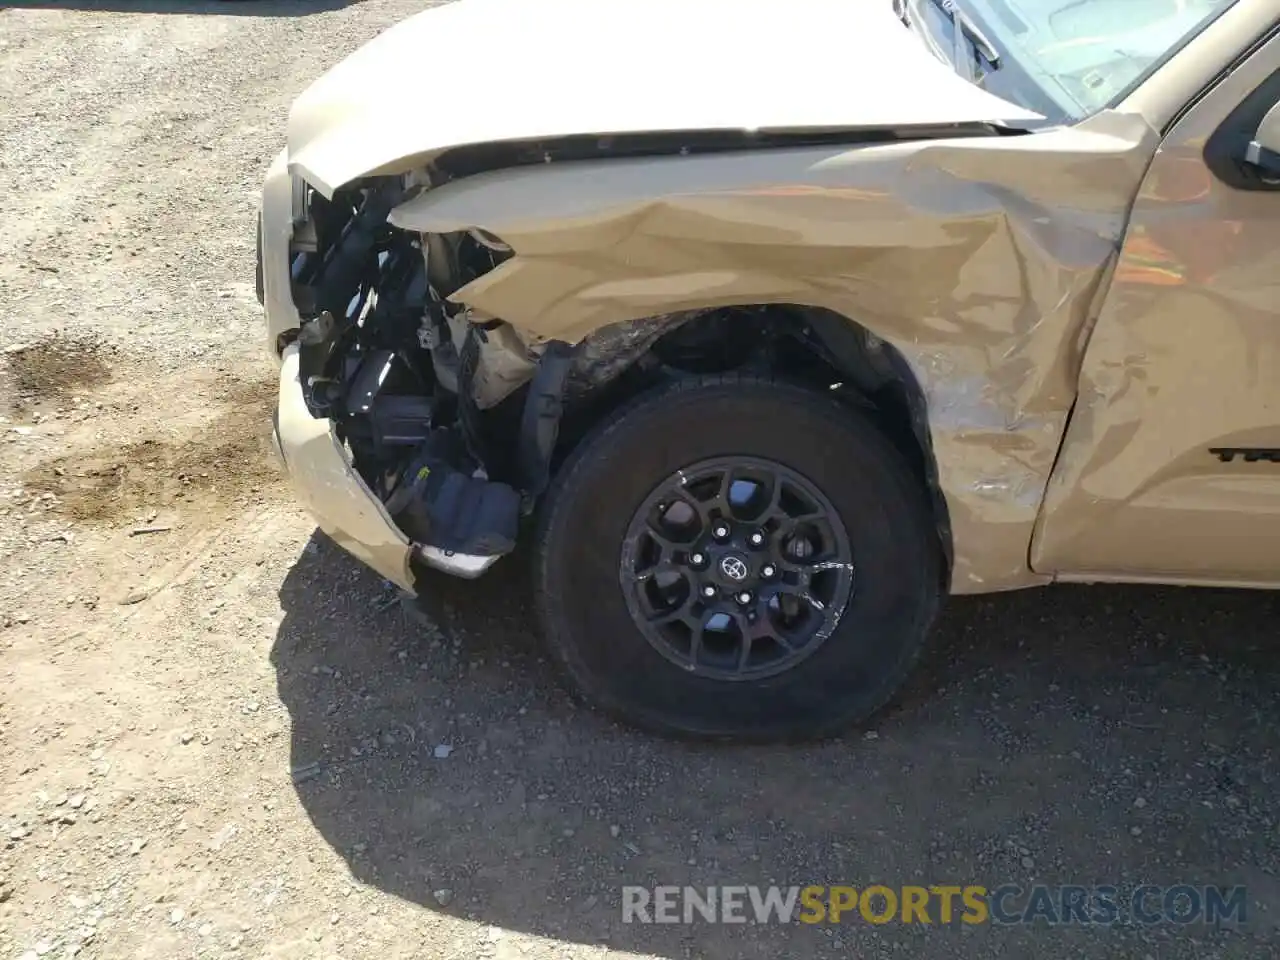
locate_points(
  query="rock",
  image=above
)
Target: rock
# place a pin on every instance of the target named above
(443, 896)
(19, 833)
(205, 929)
(1028, 863)
(76, 801)
(136, 846)
(187, 737)
(96, 755)
(177, 915)
(1140, 802)
(223, 837)
(442, 751)
(871, 735)
(1135, 831)
(614, 830)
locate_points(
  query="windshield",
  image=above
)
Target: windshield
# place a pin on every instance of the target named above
(1065, 59)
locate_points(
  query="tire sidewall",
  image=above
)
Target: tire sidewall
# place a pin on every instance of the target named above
(895, 581)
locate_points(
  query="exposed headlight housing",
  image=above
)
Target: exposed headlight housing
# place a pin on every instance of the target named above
(304, 228)
(301, 200)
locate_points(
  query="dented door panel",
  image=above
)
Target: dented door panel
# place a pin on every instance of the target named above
(1183, 368)
(978, 259)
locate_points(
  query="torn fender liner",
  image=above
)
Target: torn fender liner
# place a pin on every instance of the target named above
(607, 352)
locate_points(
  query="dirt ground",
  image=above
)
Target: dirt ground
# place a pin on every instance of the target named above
(223, 738)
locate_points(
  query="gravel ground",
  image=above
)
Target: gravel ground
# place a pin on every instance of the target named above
(224, 738)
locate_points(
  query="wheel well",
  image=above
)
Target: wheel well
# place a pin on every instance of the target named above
(817, 348)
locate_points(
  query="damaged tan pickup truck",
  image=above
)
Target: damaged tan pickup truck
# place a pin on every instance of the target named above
(768, 324)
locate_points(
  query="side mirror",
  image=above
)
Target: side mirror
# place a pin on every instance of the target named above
(1263, 151)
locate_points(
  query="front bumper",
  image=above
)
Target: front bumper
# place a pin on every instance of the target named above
(329, 486)
(308, 447)
(317, 462)
(275, 232)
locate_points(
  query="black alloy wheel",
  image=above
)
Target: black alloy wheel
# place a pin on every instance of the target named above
(736, 568)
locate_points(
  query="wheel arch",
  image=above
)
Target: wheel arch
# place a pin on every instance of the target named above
(876, 367)
(816, 347)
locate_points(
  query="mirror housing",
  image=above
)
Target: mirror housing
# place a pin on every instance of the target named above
(1263, 151)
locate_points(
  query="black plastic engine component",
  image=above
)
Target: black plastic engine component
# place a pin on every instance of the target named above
(335, 285)
(442, 506)
(385, 405)
(540, 422)
(403, 421)
(367, 383)
(329, 279)
(470, 417)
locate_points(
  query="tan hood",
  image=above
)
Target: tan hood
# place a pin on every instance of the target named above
(482, 71)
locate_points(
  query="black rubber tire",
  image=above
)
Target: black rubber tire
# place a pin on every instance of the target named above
(897, 580)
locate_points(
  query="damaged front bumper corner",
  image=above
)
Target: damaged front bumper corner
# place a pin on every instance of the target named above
(335, 495)
(310, 452)
(316, 460)
(338, 498)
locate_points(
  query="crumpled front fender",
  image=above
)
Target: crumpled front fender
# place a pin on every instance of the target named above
(979, 260)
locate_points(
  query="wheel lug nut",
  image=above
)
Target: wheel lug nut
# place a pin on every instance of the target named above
(744, 597)
(768, 570)
(708, 591)
(697, 559)
(721, 532)
(757, 539)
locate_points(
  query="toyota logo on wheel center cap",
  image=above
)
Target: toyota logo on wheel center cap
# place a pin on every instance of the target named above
(734, 568)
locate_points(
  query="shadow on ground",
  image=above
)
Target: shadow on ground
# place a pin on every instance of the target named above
(251, 8)
(1097, 735)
